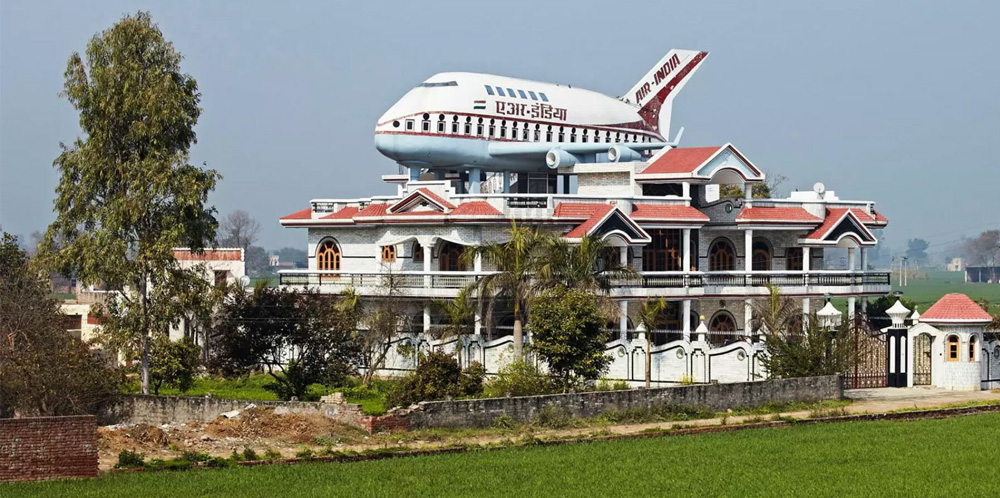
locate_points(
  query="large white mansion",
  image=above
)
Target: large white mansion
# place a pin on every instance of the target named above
(708, 256)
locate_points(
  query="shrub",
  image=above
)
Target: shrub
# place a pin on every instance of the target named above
(520, 378)
(437, 376)
(271, 454)
(129, 459)
(195, 456)
(250, 455)
(608, 385)
(554, 417)
(173, 363)
(566, 325)
(304, 453)
(504, 421)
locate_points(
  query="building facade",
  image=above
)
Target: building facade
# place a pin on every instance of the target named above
(708, 255)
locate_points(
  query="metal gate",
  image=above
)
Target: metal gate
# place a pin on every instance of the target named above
(869, 358)
(922, 360)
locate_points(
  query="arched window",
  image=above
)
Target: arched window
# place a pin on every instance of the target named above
(450, 257)
(972, 348)
(388, 254)
(721, 256)
(328, 255)
(722, 328)
(468, 125)
(441, 123)
(454, 125)
(761, 256)
(793, 259)
(418, 253)
(951, 346)
(493, 127)
(426, 123)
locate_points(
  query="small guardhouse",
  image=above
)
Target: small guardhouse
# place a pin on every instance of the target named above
(950, 349)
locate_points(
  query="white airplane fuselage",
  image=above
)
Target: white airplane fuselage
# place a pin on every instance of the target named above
(458, 121)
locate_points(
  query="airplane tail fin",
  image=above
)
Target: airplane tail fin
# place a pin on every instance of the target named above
(655, 92)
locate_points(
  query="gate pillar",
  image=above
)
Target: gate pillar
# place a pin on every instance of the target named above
(898, 356)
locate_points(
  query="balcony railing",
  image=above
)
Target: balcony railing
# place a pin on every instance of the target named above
(654, 280)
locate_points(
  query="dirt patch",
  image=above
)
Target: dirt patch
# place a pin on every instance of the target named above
(257, 424)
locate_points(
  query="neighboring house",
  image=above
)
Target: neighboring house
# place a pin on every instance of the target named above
(218, 266)
(982, 274)
(956, 264)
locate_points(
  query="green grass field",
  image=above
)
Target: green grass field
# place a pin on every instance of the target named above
(927, 291)
(949, 457)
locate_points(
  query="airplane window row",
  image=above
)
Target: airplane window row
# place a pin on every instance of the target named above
(510, 93)
(520, 131)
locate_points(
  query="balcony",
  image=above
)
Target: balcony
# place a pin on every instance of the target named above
(646, 284)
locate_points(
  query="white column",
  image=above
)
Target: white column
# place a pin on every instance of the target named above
(686, 250)
(474, 178)
(806, 259)
(850, 259)
(850, 307)
(623, 256)
(864, 259)
(747, 250)
(686, 319)
(747, 317)
(623, 319)
(506, 182)
(427, 318)
(478, 327)
(747, 194)
(805, 311)
(477, 263)
(686, 192)
(864, 304)
(428, 254)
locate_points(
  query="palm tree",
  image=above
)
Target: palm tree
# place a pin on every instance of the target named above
(458, 312)
(775, 315)
(516, 262)
(584, 266)
(649, 317)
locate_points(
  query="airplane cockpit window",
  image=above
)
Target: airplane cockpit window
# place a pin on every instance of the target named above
(521, 93)
(444, 83)
(489, 89)
(500, 92)
(533, 96)
(542, 95)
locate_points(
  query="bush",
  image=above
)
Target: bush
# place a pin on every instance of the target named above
(173, 363)
(271, 454)
(566, 325)
(304, 453)
(129, 459)
(437, 376)
(608, 385)
(250, 455)
(519, 378)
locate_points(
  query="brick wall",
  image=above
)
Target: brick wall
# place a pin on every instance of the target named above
(48, 448)
(715, 397)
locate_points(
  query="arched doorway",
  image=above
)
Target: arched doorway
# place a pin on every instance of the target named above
(721, 256)
(761, 256)
(922, 360)
(450, 257)
(723, 329)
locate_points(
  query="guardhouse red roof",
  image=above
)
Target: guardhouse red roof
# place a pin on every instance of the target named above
(954, 309)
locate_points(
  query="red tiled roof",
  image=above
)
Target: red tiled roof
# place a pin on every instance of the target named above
(879, 218)
(833, 215)
(680, 160)
(475, 208)
(374, 209)
(346, 213)
(209, 255)
(305, 214)
(596, 216)
(667, 212)
(782, 214)
(576, 210)
(866, 218)
(955, 308)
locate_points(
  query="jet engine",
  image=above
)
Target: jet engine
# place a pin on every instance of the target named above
(622, 154)
(555, 158)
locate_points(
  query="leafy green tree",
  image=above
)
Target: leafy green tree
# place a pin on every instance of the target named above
(299, 338)
(127, 195)
(44, 371)
(566, 325)
(916, 250)
(437, 376)
(173, 363)
(650, 314)
(875, 311)
(516, 263)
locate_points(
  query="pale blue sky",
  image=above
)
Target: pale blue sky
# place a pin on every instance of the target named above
(891, 101)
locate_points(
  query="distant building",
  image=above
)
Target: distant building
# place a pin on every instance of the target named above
(956, 264)
(982, 274)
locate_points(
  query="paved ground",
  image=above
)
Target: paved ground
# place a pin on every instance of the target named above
(890, 399)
